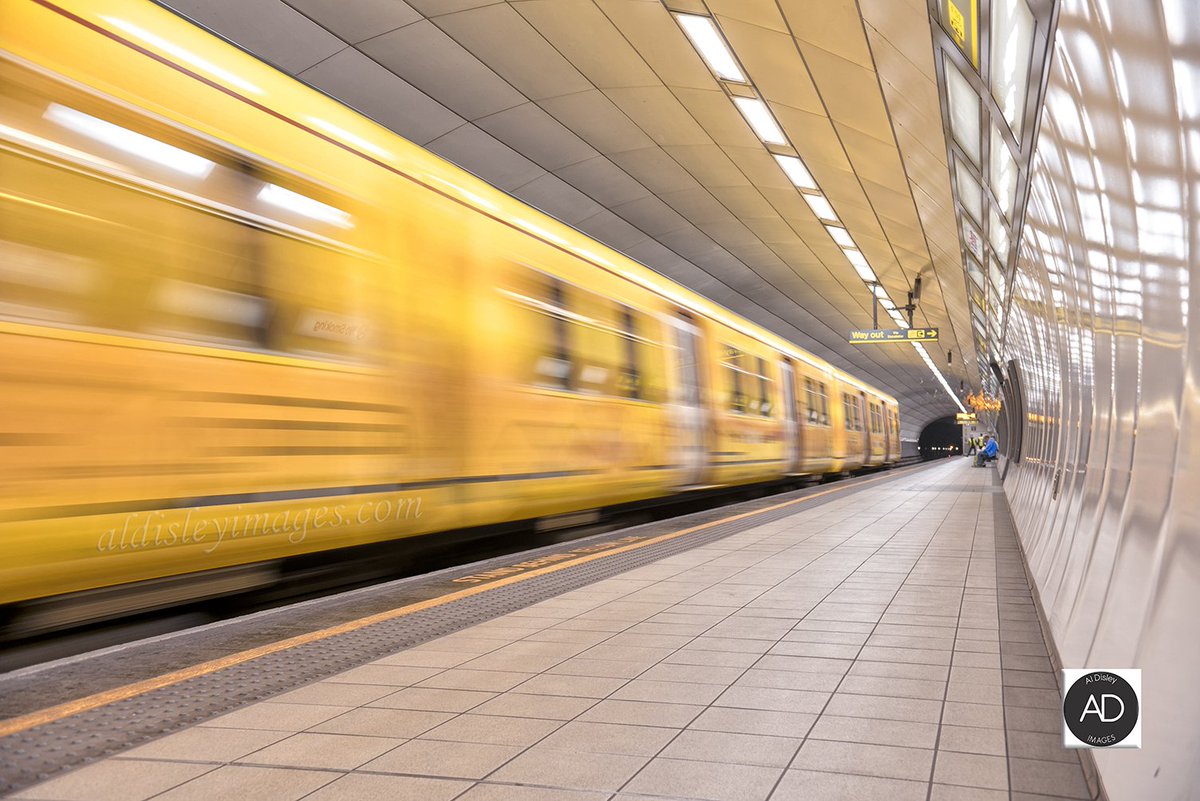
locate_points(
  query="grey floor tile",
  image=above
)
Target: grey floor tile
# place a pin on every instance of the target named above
(808, 785)
(508, 792)
(754, 721)
(547, 767)
(874, 730)
(425, 657)
(374, 787)
(116, 780)
(742, 749)
(330, 751)
(886, 761)
(494, 730)
(203, 744)
(486, 680)
(332, 694)
(700, 674)
(789, 680)
(950, 792)
(572, 686)
(895, 687)
(971, 770)
(772, 698)
(372, 722)
(958, 713)
(430, 699)
(521, 705)
(277, 717)
(642, 713)
(972, 740)
(438, 758)
(241, 781)
(670, 692)
(605, 668)
(610, 738)
(1039, 745)
(703, 780)
(395, 675)
(1063, 779)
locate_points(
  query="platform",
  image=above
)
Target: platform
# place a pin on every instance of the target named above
(877, 641)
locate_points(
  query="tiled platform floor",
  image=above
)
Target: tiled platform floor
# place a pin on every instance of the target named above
(881, 646)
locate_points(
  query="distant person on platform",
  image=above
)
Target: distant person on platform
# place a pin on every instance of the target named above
(972, 446)
(988, 454)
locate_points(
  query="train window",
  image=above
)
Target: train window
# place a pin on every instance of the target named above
(119, 222)
(764, 394)
(630, 380)
(810, 402)
(731, 361)
(553, 366)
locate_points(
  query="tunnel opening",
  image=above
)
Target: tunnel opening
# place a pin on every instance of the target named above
(939, 439)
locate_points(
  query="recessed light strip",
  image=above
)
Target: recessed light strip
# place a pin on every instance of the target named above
(706, 37)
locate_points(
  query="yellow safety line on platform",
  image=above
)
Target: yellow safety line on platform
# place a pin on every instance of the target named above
(54, 713)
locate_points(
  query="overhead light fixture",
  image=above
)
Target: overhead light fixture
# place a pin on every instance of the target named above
(187, 56)
(821, 207)
(866, 273)
(880, 292)
(796, 172)
(759, 116)
(131, 142)
(840, 235)
(304, 205)
(711, 45)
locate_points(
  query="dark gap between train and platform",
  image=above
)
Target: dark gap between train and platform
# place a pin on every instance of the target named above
(33, 755)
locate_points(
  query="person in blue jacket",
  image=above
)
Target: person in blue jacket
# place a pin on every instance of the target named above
(988, 453)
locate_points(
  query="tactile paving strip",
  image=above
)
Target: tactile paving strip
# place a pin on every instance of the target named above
(35, 755)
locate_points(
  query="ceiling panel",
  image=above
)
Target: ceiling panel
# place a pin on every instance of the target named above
(360, 20)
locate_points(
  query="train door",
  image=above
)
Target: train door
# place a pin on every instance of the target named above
(687, 403)
(885, 420)
(864, 409)
(791, 424)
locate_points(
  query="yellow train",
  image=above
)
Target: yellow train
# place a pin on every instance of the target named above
(240, 322)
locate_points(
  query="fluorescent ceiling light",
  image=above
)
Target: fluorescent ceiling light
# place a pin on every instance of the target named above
(1002, 172)
(821, 207)
(129, 141)
(840, 235)
(970, 193)
(865, 273)
(1012, 45)
(964, 112)
(880, 292)
(711, 46)
(796, 172)
(887, 304)
(304, 205)
(759, 116)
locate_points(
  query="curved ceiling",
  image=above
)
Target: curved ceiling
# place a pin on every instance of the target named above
(600, 113)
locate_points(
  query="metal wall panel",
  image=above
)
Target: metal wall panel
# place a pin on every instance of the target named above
(1106, 495)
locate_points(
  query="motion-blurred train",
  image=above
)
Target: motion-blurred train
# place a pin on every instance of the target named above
(240, 322)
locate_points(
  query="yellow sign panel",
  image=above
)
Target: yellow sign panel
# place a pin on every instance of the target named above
(965, 419)
(871, 336)
(962, 19)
